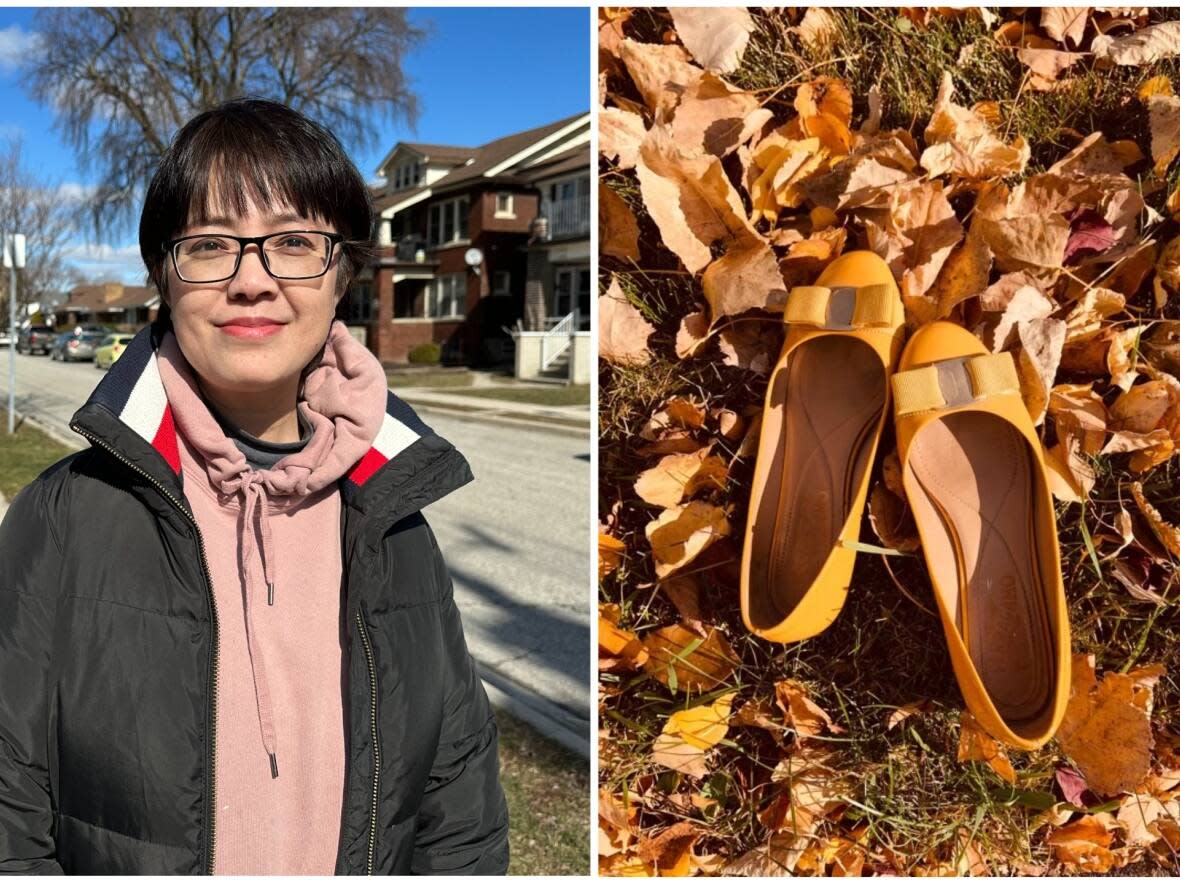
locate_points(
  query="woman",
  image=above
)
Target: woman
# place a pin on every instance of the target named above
(228, 640)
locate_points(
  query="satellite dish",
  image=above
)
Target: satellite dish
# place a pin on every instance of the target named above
(473, 257)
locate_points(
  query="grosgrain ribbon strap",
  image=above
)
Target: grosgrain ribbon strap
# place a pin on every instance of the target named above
(953, 382)
(841, 307)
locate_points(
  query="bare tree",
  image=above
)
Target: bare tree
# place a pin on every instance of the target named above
(44, 214)
(123, 80)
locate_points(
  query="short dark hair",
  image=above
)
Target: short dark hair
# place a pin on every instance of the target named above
(251, 149)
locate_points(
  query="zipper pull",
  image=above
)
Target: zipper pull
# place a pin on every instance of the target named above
(274, 766)
(270, 593)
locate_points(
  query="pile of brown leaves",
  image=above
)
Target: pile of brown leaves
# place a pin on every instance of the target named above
(1071, 268)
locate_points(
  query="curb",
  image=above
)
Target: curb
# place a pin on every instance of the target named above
(551, 720)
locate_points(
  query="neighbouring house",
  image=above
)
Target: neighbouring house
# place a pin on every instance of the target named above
(465, 232)
(110, 304)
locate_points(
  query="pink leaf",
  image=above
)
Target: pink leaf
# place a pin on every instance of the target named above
(1073, 786)
(1089, 233)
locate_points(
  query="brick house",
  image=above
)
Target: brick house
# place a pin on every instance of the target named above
(458, 246)
(113, 304)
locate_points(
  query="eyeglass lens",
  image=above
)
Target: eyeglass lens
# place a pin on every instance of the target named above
(207, 259)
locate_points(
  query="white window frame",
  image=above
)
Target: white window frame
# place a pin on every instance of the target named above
(503, 277)
(510, 211)
(448, 210)
(451, 287)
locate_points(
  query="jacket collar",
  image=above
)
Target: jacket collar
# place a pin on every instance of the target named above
(128, 414)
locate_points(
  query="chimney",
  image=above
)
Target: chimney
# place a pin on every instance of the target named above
(111, 292)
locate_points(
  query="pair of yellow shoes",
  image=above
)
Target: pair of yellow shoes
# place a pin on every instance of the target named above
(972, 470)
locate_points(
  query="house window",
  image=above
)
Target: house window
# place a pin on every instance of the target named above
(448, 221)
(571, 288)
(504, 205)
(358, 305)
(501, 282)
(447, 296)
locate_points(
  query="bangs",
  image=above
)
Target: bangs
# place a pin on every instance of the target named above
(228, 184)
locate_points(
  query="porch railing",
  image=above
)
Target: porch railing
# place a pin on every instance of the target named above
(557, 341)
(567, 218)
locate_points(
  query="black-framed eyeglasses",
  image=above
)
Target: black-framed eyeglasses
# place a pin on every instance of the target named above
(286, 255)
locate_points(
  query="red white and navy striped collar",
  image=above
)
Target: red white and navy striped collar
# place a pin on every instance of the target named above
(133, 392)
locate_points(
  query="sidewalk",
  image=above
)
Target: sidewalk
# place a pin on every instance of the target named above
(571, 418)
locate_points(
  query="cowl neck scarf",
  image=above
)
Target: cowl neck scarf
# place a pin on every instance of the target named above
(343, 400)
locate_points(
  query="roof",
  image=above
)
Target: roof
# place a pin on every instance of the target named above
(574, 159)
(488, 161)
(440, 151)
(496, 153)
(94, 297)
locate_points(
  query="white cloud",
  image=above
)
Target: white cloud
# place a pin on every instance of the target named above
(16, 44)
(102, 252)
(99, 262)
(73, 191)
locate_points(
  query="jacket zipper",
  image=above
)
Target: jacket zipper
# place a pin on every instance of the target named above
(376, 747)
(213, 661)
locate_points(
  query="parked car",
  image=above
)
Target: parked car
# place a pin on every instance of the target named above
(35, 338)
(71, 346)
(110, 349)
(5, 338)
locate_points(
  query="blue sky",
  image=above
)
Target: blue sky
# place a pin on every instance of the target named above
(482, 73)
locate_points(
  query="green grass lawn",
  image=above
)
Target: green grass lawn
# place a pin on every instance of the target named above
(428, 378)
(572, 395)
(24, 454)
(548, 790)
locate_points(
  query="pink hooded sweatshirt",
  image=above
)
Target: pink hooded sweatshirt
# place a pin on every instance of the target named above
(273, 544)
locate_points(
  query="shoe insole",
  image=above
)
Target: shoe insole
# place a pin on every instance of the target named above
(975, 506)
(823, 409)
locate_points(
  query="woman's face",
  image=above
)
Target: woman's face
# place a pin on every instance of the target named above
(229, 357)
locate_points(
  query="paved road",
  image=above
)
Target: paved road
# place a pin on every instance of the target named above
(516, 540)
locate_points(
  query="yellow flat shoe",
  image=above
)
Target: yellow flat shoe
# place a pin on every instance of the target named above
(826, 404)
(975, 478)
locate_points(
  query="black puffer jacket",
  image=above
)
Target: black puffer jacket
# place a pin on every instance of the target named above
(108, 638)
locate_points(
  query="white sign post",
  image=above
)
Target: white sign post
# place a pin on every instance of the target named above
(14, 258)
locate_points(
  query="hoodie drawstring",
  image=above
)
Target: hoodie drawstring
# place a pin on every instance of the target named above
(256, 502)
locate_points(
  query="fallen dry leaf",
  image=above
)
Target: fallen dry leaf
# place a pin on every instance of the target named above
(688, 735)
(620, 132)
(617, 647)
(960, 142)
(690, 199)
(677, 477)
(1164, 115)
(1136, 814)
(1141, 47)
(904, 712)
(670, 852)
(622, 330)
(708, 662)
(716, 118)
(915, 236)
(716, 36)
(746, 277)
(1167, 533)
(680, 534)
(1085, 844)
(610, 554)
(1106, 729)
(1065, 24)
(618, 232)
(976, 745)
(801, 712)
(661, 72)
(693, 334)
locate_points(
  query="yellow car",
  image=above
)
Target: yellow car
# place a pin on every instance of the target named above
(110, 349)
